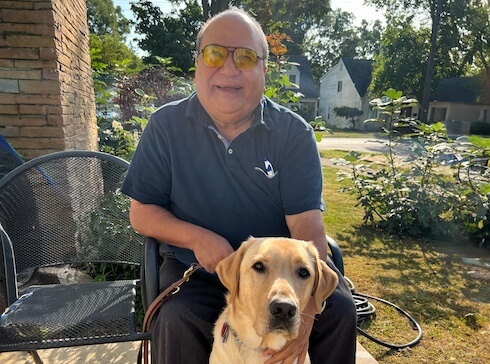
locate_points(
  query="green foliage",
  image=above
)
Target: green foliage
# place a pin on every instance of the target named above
(320, 127)
(104, 18)
(336, 36)
(318, 124)
(402, 59)
(115, 139)
(414, 192)
(350, 113)
(168, 35)
(480, 128)
(293, 17)
(278, 85)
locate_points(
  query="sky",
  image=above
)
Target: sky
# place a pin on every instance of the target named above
(355, 7)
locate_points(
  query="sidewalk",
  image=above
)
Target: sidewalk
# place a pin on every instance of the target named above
(122, 353)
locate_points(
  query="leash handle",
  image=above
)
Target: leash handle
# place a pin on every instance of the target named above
(174, 288)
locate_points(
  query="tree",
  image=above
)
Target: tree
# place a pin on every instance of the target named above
(350, 113)
(337, 37)
(104, 18)
(450, 43)
(212, 7)
(292, 17)
(168, 36)
(402, 58)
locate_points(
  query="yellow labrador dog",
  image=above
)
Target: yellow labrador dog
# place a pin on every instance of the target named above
(270, 281)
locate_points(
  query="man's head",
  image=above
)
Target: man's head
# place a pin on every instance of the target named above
(229, 83)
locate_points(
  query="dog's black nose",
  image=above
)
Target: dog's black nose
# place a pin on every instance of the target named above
(283, 311)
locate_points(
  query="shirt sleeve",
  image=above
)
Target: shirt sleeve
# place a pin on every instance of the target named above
(301, 176)
(149, 179)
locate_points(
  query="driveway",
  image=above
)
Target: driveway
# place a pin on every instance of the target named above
(368, 145)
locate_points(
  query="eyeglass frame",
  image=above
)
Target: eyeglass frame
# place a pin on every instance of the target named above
(232, 51)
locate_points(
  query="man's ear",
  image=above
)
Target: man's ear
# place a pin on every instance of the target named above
(228, 269)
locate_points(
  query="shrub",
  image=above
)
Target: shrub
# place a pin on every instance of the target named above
(416, 192)
(480, 128)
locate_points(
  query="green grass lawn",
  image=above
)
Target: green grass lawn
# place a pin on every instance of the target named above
(449, 298)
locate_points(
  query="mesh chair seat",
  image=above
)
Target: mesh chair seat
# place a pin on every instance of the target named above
(80, 314)
(66, 209)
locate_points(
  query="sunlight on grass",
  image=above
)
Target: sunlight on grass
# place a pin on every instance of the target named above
(427, 279)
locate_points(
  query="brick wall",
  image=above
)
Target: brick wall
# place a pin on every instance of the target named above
(46, 91)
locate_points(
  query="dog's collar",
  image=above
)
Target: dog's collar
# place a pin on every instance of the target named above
(226, 330)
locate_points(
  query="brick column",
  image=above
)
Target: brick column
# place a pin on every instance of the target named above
(47, 100)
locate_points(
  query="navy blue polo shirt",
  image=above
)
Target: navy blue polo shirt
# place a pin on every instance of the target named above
(235, 189)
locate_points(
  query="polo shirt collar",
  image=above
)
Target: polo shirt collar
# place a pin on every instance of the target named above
(196, 111)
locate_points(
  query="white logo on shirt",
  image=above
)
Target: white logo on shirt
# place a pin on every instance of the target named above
(268, 170)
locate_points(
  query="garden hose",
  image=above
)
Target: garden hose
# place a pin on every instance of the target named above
(366, 309)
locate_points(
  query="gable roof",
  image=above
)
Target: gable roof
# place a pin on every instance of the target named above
(458, 89)
(360, 71)
(307, 85)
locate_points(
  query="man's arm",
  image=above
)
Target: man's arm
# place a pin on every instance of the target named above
(308, 226)
(157, 222)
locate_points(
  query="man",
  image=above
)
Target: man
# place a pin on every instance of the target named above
(213, 169)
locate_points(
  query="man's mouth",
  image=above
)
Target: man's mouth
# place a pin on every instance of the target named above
(224, 87)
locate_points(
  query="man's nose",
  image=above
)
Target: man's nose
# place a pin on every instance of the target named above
(229, 65)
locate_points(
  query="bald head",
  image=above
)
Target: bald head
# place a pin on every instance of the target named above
(237, 15)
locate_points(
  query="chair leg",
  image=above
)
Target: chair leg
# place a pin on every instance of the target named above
(36, 357)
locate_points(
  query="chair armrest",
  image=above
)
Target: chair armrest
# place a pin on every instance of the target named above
(150, 272)
(336, 254)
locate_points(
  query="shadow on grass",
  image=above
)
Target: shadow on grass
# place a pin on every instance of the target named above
(428, 279)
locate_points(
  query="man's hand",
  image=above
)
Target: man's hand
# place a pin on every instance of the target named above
(297, 348)
(211, 251)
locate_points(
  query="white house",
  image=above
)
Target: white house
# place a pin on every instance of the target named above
(345, 84)
(455, 101)
(300, 75)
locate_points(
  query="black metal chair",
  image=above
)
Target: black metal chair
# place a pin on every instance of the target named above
(65, 209)
(151, 265)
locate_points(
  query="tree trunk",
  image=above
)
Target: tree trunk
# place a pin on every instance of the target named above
(430, 63)
(213, 7)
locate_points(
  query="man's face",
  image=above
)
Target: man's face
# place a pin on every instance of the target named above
(227, 93)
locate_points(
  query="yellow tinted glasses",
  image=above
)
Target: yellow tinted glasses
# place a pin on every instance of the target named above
(215, 56)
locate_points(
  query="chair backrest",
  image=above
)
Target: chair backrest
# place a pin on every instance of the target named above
(9, 158)
(66, 207)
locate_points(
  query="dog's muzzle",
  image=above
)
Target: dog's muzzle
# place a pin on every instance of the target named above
(282, 315)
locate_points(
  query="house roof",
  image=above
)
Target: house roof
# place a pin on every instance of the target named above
(360, 71)
(308, 86)
(457, 89)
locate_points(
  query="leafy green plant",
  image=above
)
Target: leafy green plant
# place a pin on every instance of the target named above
(349, 113)
(414, 192)
(320, 127)
(278, 84)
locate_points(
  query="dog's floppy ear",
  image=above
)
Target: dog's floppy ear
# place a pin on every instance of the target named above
(325, 281)
(229, 269)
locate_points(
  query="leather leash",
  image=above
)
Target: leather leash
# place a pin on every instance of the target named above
(155, 306)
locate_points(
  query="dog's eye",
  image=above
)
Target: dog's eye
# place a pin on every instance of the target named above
(303, 273)
(259, 267)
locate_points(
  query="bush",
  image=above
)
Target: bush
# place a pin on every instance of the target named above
(480, 128)
(431, 191)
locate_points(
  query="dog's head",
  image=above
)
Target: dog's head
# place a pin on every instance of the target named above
(271, 280)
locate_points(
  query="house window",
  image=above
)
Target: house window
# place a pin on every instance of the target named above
(339, 86)
(328, 113)
(438, 114)
(292, 78)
